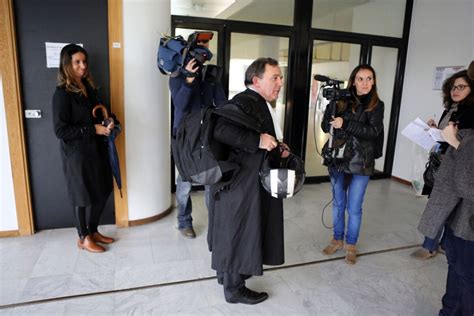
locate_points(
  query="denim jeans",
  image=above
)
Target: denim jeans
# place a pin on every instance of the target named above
(185, 205)
(458, 299)
(350, 196)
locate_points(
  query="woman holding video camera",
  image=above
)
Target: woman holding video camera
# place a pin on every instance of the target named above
(357, 125)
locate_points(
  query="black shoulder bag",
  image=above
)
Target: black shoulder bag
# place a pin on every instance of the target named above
(432, 166)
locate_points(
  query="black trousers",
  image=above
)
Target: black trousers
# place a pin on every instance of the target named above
(232, 283)
(96, 210)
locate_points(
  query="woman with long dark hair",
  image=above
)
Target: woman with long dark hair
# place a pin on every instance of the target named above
(82, 145)
(358, 138)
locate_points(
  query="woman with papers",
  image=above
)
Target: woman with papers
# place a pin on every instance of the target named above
(458, 100)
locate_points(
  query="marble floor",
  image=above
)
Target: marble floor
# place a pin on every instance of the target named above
(153, 270)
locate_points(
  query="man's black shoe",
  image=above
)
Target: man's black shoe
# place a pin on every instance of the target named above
(247, 296)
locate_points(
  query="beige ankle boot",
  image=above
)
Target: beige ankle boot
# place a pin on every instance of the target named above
(351, 254)
(334, 246)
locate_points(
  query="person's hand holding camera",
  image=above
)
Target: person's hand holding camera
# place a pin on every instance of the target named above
(191, 67)
(336, 122)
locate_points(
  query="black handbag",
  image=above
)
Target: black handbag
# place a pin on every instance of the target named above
(336, 155)
(432, 167)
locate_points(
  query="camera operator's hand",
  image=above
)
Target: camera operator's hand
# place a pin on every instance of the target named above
(336, 122)
(267, 142)
(191, 67)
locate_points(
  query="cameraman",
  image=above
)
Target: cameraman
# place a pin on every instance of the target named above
(190, 93)
(358, 132)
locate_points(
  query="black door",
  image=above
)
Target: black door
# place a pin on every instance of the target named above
(57, 21)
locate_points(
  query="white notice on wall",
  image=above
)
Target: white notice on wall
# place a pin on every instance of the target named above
(443, 73)
(53, 51)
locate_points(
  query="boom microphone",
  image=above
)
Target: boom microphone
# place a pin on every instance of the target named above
(328, 80)
(321, 78)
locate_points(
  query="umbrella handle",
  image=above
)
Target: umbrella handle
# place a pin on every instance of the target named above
(105, 113)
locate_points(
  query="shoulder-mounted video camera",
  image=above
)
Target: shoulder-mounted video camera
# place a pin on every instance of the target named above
(174, 53)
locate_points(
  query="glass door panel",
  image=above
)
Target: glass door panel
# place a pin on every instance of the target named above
(244, 49)
(336, 61)
(384, 61)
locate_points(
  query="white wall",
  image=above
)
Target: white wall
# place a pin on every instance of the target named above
(442, 34)
(8, 218)
(146, 108)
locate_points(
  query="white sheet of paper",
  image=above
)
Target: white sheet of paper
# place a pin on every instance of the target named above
(417, 132)
(436, 134)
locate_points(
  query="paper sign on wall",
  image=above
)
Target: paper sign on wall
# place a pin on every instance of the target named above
(53, 51)
(443, 73)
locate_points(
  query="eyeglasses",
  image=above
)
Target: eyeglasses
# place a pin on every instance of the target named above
(460, 87)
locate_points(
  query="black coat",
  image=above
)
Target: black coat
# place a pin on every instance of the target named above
(245, 222)
(362, 132)
(84, 154)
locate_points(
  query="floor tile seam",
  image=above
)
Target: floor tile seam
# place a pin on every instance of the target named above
(151, 286)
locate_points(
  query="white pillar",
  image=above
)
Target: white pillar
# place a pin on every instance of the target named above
(8, 217)
(147, 109)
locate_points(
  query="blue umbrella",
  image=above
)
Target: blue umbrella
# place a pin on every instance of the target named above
(112, 149)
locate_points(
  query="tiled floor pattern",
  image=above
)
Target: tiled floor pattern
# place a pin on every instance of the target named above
(152, 270)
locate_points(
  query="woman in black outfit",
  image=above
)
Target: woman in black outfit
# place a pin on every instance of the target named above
(82, 144)
(458, 100)
(358, 123)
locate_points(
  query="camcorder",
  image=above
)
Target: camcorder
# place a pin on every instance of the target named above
(333, 150)
(174, 53)
(193, 49)
(335, 93)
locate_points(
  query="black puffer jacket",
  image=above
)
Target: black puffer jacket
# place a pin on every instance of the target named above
(362, 132)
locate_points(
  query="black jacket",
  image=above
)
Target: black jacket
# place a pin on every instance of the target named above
(362, 132)
(464, 118)
(84, 154)
(245, 222)
(192, 97)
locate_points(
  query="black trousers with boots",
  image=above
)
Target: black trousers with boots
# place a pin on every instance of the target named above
(80, 215)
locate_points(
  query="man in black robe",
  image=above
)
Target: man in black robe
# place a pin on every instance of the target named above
(245, 222)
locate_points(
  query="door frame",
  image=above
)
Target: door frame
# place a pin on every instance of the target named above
(9, 69)
(301, 35)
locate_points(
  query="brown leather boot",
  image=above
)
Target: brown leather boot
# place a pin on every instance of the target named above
(351, 254)
(98, 237)
(334, 246)
(89, 244)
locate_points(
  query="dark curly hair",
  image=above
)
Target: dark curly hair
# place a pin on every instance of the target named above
(448, 83)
